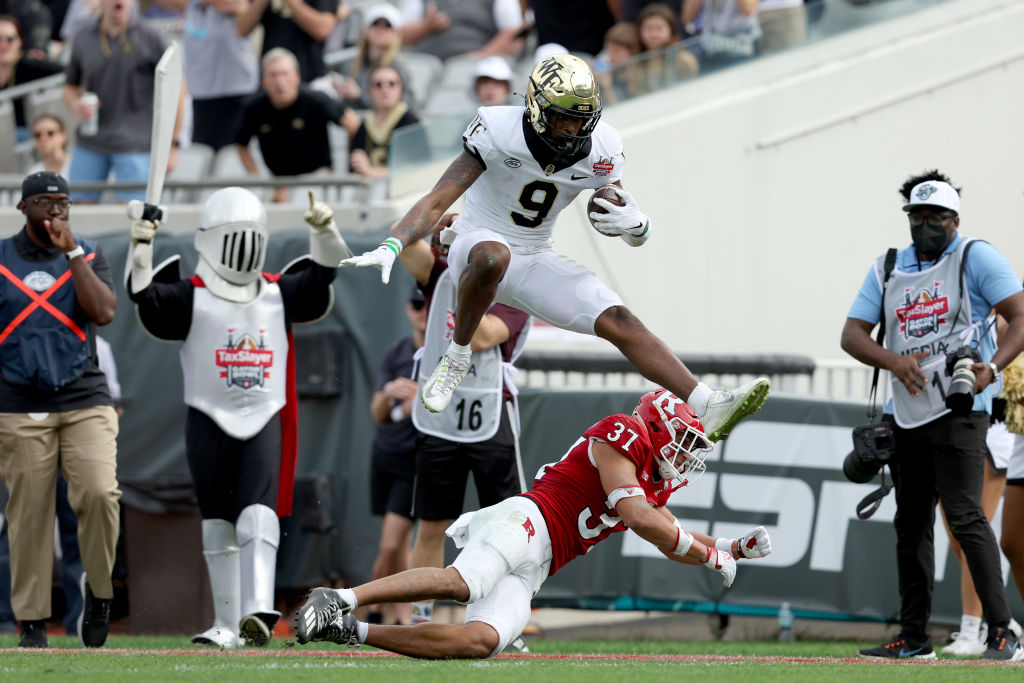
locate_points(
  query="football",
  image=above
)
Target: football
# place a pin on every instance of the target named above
(607, 192)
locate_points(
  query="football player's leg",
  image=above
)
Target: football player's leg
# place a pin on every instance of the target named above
(478, 261)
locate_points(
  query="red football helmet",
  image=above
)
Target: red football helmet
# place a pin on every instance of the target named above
(676, 434)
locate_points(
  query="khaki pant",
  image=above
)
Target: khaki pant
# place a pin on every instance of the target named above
(83, 444)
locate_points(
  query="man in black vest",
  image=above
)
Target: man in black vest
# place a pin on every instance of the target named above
(55, 408)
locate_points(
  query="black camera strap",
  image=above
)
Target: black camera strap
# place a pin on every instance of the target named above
(870, 503)
(890, 263)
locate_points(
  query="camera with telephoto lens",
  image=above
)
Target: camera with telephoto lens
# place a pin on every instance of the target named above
(873, 446)
(960, 395)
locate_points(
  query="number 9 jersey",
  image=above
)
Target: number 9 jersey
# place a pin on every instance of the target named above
(523, 188)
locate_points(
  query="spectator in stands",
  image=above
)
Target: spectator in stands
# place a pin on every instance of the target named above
(220, 68)
(290, 121)
(36, 24)
(492, 83)
(79, 15)
(116, 60)
(56, 404)
(393, 465)
(783, 24)
(630, 9)
(620, 75)
(17, 69)
(380, 44)
(728, 29)
(299, 26)
(476, 28)
(667, 60)
(579, 25)
(372, 142)
(51, 145)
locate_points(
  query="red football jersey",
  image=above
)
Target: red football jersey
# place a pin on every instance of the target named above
(570, 495)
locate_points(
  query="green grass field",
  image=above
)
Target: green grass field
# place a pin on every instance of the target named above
(137, 658)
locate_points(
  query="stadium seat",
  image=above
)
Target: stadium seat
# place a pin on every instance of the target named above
(8, 160)
(422, 72)
(193, 166)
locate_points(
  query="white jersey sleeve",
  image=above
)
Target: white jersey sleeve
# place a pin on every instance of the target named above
(515, 196)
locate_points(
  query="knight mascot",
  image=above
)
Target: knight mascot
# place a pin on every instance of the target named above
(237, 359)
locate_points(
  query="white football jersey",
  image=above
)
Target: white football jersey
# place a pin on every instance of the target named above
(515, 196)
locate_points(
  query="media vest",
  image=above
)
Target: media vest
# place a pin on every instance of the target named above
(928, 309)
(44, 340)
(234, 360)
(475, 412)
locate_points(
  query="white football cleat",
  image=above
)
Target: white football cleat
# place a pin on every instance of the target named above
(438, 390)
(727, 408)
(965, 646)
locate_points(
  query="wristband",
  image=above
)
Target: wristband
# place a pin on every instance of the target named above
(683, 542)
(394, 244)
(74, 253)
(724, 545)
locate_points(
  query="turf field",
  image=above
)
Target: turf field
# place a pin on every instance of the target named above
(136, 658)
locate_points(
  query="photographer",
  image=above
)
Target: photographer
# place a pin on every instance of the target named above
(934, 305)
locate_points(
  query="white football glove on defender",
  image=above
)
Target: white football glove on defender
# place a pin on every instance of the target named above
(723, 563)
(620, 220)
(326, 245)
(753, 544)
(382, 258)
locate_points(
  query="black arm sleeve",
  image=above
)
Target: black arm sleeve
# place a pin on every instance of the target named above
(165, 309)
(306, 292)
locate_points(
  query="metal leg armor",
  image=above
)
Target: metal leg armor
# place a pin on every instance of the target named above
(220, 550)
(259, 534)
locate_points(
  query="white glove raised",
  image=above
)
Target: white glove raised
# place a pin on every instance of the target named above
(723, 563)
(318, 215)
(145, 220)
(382, 258)
(143, 231)
(620, 220)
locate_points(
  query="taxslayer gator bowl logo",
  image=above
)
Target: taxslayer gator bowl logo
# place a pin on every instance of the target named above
(923, 314)
(603, 166)
(245, 360)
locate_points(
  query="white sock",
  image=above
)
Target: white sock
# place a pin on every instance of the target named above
(362, 628)
(698, 399)
(348, 596)
(459, 350)
(970, 627)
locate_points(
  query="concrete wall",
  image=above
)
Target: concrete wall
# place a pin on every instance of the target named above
(772, 187)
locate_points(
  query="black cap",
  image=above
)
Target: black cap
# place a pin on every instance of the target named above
(416, 295)
(44, 182)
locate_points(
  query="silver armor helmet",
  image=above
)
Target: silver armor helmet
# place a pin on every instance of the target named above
(232, 235)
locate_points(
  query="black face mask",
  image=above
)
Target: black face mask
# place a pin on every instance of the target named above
(929, 240)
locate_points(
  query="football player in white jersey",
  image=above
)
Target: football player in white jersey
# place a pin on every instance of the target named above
(519, 168)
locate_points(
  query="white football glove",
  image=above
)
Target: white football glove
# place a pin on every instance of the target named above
(382, 258)
(723, 563)
(318, 215)
(145, 221)
(755, 543)
(620, 220)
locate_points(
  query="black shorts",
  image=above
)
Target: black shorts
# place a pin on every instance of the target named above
(391, 480)
(231, 474)
(443, 467)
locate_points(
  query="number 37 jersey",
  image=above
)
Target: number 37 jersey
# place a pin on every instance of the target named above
(570, 495)
(517, 196)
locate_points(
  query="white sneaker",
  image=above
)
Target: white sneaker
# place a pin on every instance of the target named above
(965, 646)
(449, 373)
(726, 408)
(1015, 627)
